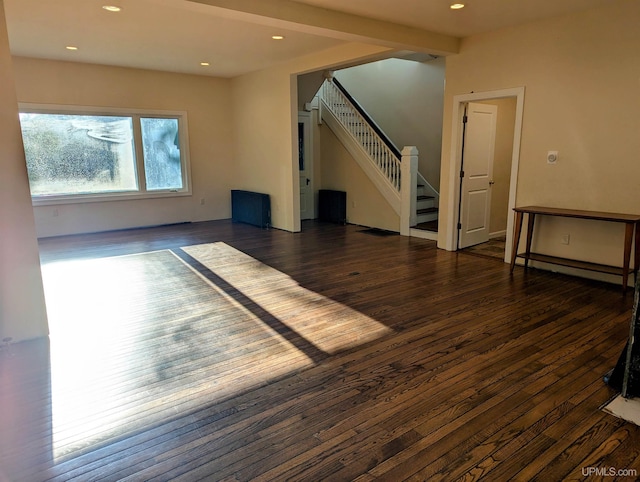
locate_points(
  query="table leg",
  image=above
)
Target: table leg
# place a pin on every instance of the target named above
(530, 222)
(628, 238)
(516, 239)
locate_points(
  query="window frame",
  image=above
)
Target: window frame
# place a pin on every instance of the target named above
(135, 114)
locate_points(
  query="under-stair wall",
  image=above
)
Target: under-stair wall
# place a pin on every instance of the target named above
(339, 171)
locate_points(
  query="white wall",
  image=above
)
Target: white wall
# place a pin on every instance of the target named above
(405, 99)
(265, 119)
(581, 76)
(242, 134)
(22, 309)
(366, 206)
(206, 100)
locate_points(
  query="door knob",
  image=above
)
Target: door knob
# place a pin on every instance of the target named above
(492, 182)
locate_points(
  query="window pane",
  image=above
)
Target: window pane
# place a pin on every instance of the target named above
(78, 154)
(161, 147)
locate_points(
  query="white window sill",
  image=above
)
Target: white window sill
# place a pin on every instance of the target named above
(91, 198)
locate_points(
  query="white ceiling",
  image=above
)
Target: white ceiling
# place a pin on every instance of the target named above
(176, 35)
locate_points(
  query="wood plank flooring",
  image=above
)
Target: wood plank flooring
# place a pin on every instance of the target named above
(330, 354)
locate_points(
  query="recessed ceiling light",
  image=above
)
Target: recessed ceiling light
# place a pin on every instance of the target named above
(71, 47)
(457, 6)
(204, 64)
(277, 37)
(111, 8)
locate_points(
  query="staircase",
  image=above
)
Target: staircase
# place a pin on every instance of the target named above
(393, 172)
(426, 207)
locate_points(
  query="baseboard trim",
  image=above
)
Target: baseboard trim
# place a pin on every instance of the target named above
(420, 233)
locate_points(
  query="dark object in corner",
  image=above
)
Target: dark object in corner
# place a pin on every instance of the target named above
(332, 206)
(625, 377)
(251, 208)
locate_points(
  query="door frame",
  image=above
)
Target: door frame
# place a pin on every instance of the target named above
(459, 102)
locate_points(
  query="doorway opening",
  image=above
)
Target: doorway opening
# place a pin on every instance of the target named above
(305, 167)
(468, 208)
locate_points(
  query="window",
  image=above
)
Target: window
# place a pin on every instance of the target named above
(84, 155)
(161, 153)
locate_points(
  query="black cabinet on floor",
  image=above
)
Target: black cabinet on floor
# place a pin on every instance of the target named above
(251, 208)
(332, 206)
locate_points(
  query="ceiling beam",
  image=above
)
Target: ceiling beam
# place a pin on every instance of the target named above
(331, 23)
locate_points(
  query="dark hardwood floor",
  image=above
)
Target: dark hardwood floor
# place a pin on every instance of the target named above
(219, 351)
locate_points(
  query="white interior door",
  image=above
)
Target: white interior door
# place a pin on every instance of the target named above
(477, 168)
(305, 161)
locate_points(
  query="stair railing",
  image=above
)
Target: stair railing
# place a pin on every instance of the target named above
(351, 115)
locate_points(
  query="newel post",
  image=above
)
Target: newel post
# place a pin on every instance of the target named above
(408, 189)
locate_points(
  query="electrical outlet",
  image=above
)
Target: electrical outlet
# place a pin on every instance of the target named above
(56, 213)
(201, 201)
(564, 239)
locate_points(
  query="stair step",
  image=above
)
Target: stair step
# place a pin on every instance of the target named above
(424, 197)
(427, 210)
(426, 215)
(425, 204)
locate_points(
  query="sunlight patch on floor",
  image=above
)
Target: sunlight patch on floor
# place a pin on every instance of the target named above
(91, 312)
(140, 338)
(329, 325)
(144, 338)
